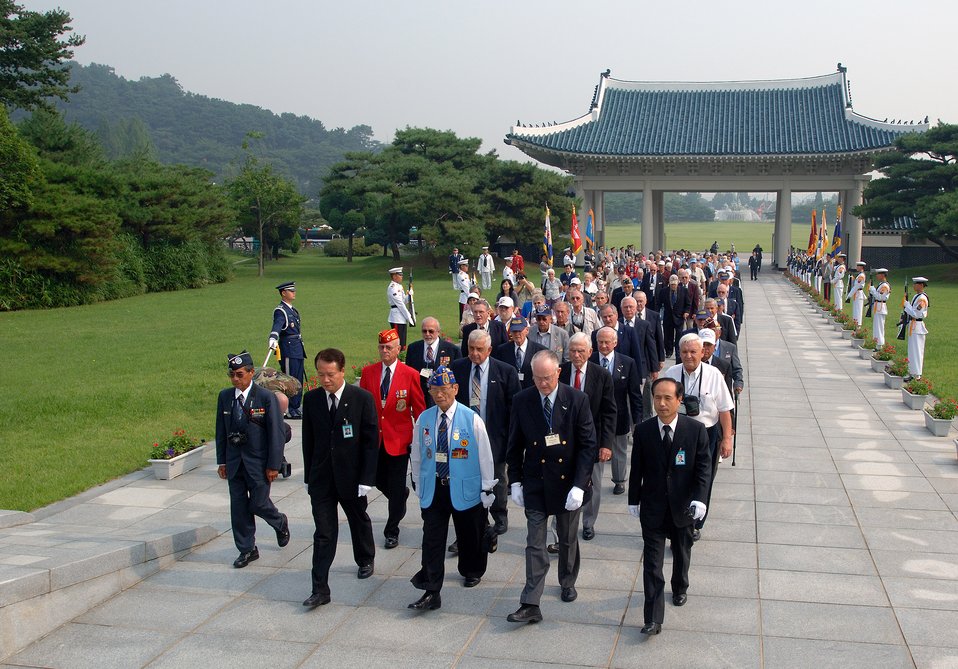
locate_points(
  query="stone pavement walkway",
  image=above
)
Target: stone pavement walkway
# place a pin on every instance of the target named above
(832, 543)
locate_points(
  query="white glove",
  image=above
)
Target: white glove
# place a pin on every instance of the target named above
(517, 494)
(634, 510)
(487, 498)
(273, 344)
(574, 499)
(489, 484)
(364, 490)
(698, 510)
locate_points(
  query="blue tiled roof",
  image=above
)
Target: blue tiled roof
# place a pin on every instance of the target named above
(791, 117)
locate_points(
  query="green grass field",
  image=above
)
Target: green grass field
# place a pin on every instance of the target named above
(700, 235)
(87, 390)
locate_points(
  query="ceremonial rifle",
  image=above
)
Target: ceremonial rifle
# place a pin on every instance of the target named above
(411, 300)
(871, 300)
(904, 318)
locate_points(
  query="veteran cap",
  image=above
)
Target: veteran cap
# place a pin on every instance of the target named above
(517, 324)
(240, 360)
(707, 336)
(289, 285)
(543, 312)
(387, 336)
(474, 296)
(443, 376)
(702, 313)
(505, 301)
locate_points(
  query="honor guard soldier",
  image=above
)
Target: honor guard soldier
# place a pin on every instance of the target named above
(917, 311)
(399, 316)
(454, 259)
(508, 272)
(462, 283)
(879, 295)
(249, 455)
(287, 338)
(486, 267)
(856, 293)
(838, 280)
(452, 472)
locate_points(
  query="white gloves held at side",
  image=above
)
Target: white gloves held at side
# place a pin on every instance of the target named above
(487, 498)
(697, 509)
(634, 510)
(364, 490)
(516, 494)
(574, 499)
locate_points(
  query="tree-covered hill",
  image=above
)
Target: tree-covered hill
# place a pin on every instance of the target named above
(155, 114)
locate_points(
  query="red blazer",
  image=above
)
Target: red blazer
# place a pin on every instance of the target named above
(403, 405)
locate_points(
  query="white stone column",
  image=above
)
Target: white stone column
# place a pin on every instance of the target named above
(783, 226)
(853, 224)
(658, 213)
(648, 219)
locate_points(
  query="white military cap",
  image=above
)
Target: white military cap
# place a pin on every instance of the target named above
(395, 270)
(919, 279)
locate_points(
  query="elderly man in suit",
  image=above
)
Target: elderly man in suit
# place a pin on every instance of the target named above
(488, 387)
(629, 342)
(676, 304)
(548, 335)
(249, 454)
(519, 350)
(729, 333)
(669, 478)
(429, 353)
(396, 385)
(552, 448)
(496, 330)
(596, 382)
(647, 354)
(583, 318)
(340, 450)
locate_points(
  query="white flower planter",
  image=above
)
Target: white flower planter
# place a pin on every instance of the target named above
(865, 353)
(879, 365)
(170, 469)
(856, 342)
(913, 402)
(847, 334)
(892, 381)
(937, 426)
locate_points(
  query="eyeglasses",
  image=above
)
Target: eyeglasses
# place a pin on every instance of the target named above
(236, 373)
(427, 331)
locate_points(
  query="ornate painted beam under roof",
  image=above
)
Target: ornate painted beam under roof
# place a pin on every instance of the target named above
(785, 121)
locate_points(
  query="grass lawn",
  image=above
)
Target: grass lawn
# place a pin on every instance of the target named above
(700, 235)
(87, 390)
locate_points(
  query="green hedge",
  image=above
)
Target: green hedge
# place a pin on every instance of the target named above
(338, 248)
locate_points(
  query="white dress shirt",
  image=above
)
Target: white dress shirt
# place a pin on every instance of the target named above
(708, 384)
(486, 465)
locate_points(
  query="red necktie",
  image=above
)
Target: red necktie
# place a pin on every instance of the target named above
(578, 379)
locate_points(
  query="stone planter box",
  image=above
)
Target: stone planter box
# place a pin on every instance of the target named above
(879, 365)
(865, 353)
(892, 381)
(913, 402)
(937, 426)
(839, 327)
(856, 342)
(170, 469)
(847, 334)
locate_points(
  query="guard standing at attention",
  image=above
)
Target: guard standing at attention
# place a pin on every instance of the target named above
(879, 295)
(452, 472)
(838, 280)
(917, 311)
(399, 316)
(249, 454)
(856, 292)
(287, 338)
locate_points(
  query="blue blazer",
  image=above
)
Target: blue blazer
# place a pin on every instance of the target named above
(264, 433)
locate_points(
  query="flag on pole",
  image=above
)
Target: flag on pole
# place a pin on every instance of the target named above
(813, 236)
(589, 233)
(837, 237)
(576, 238)
(822, 239)
(547, 237)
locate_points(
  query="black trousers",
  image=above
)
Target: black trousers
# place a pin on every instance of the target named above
(470, 525)
(499, 509)
(715, 435)
(401, 329)
(326, 519)
(653, 556)
(391, 480)
(249, 497)
(754, 271)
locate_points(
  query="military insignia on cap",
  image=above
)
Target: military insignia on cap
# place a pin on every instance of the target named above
(237, 360)
(443, 376)
(387, 336)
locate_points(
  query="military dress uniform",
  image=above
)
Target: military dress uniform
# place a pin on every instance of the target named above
(486, 267)
(917, 311)
(856, 292)
(879, 295)
(838, 282)
(399, 316)
(287, 331)
(462, 284)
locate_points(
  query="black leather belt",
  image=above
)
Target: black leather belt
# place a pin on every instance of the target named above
(919, 319)
(291, 337)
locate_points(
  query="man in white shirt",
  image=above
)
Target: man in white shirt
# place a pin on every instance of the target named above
(715, 404)
(486, 267)
(584, 320)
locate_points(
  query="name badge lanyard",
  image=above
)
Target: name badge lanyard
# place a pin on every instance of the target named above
(700, 378)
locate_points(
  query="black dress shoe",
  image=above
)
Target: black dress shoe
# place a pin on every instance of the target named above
(680, 599)
(471, 582)
(618, 489)
(651, 628)
(295, 416)
(365, 571)
(454, 548)
(245, 558)
(696, 535)
(569, 594)
(527, 613)
(428, 602)
(588, 533)
(391, 542)
(501, 527)
(316, 599)
(553, 548)
(282, 534)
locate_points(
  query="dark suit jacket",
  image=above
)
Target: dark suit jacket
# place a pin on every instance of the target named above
(726, 368)
(728, 351)
(658, 483)
(627, 387)
(732, 309)
(501, 387)
(416, 358)
(629, 343)
(683, 304)
(655, 320)
(264, 432)
(497, 331)
(334, 464)
(548, 473)
(601, 391)
(646, 355)
(728, 328)
(507, 354)
(617, 296)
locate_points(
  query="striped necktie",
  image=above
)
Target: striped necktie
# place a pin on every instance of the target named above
(547, 411)
(475, 398)
(442, 446)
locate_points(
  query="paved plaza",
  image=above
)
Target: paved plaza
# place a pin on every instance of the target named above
(833, 542)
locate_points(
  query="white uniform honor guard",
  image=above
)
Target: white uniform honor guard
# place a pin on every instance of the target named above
(486, 267)
(463, 285)
(879, 295)
(399, 316)
(838, 281)
(917, 311)
(856, 292)
(508, 272)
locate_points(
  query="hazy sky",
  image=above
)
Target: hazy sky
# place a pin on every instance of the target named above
(477, 67)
